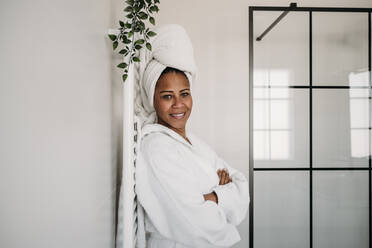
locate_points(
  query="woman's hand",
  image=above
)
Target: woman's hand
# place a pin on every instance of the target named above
(211, 197)
(224, 176)
(224, 179)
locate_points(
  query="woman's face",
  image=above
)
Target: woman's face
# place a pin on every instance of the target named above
(172, 100)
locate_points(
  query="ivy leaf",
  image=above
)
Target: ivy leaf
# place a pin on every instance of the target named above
(128, 25)
(148, 1)
(130, 2)
(152, 20)
(142, 25)
(123, 51)
(112, 37)
(115, 45)
(125, 77)
(148, 45)
(151, 33)
(130, 16)
(156, 1)
(154, 8)
(139, 42)
(128, 9)
(127, 41)
(121, 24)
(137, 8)
(130, 34)
(137, 29)
(136, 59)
(122, 65)
(138, 47)
(142, 15)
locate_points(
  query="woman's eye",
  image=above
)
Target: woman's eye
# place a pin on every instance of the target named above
(185, 94)
(167, 97)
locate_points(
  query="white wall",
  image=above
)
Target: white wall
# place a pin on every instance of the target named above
(57, 151)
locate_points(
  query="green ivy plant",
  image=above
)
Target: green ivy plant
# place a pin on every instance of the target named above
(137, 12)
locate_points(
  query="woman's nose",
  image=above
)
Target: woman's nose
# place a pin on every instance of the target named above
(178, 102)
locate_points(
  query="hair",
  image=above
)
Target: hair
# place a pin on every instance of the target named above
(171, 69)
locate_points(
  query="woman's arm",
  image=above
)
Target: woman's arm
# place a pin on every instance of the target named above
(170, 194)
(233, 197)
(224, 177)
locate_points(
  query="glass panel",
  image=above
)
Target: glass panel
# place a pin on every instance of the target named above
(281, 209)
(282, 56)
(340, 209)
(340, 127)
(340, 48)
(281, 127)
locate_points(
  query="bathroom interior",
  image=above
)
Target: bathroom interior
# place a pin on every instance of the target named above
(291, 109)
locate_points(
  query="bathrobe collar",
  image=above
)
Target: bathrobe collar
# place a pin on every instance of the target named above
(155, 127)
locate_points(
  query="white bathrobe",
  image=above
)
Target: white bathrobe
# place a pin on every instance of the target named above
(172, 176)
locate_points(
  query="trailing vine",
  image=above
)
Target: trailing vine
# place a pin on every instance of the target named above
(137, 12)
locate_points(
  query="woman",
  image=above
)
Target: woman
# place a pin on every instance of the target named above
(191, 197)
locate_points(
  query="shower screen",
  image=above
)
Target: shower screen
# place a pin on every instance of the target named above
(310, 127)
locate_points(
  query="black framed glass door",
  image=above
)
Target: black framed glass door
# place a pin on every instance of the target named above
(310, 127)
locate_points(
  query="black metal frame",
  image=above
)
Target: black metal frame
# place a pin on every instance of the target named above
(259, 38)
(310, 10)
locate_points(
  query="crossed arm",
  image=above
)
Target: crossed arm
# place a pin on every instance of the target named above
(224, 179)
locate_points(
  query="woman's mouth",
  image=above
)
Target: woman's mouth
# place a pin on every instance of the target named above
(178, 115)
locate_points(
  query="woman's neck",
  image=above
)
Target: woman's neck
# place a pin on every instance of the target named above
(180, 131)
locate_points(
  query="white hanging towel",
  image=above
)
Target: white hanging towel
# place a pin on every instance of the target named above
(172, 175)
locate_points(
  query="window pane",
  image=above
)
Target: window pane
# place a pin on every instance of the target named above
(281, 127)
(340, 127)
(282, 56)
(340, 209)
(281, 209)
(340, 48)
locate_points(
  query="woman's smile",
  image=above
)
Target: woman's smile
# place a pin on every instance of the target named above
(178, 116)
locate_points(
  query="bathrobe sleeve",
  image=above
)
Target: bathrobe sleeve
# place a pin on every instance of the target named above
(169, 193)
(233, 197)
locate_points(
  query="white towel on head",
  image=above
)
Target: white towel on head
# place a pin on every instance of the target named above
(171, 47)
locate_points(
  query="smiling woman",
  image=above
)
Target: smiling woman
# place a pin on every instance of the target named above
(173, 101)
(190, 196)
